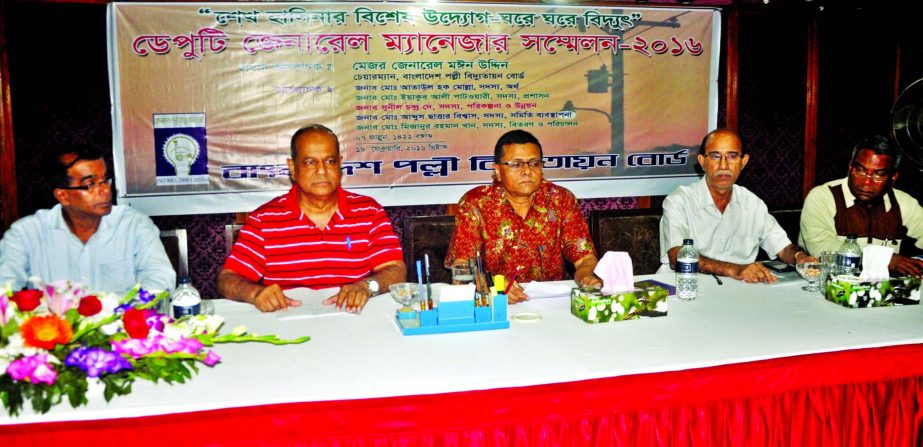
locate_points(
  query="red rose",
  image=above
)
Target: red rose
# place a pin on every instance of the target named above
(135, 322)
(27, 300)
(89, 306)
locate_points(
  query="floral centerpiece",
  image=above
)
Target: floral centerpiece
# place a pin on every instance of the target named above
(54, 340)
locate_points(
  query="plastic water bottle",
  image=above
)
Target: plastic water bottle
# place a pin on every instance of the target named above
(186, 299)
(687, 272)
(849, 257)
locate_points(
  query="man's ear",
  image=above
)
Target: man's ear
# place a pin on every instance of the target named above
(744, 160)
(61, 195)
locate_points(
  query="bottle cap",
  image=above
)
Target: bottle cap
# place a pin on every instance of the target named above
(185, 280)
(851, 236)
(687, 241)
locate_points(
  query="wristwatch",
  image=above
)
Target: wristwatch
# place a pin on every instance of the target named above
(373, 285)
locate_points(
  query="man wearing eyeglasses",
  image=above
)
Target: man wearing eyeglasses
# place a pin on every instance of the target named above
(728, 223)
(868, 206)
(84, 238)
(523, 225)
(317, 235)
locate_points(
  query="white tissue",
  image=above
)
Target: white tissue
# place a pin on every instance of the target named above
(875, 260)
(616, 271)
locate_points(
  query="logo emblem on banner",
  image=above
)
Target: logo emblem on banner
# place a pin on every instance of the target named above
(180, 149)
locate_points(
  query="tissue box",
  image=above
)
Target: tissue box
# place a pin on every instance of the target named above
(592, 306)
(850, 291)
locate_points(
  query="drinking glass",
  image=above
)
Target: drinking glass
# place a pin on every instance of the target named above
(811, 272)
(406, 294)
(462, 274)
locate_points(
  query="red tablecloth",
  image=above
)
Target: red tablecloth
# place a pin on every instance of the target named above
(866, 397)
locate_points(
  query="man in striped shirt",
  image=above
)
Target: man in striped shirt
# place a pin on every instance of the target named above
(317, 235)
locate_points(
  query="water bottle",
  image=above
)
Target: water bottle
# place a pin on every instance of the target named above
(849, 257)
(687, 271)
(186, 299)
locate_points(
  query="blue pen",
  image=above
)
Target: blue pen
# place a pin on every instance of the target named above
(349, 244)
(420, 281)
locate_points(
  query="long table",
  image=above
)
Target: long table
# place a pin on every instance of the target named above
(744, 364)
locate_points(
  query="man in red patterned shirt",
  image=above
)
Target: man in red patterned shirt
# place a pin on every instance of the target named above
(522, 224)
(317, 235)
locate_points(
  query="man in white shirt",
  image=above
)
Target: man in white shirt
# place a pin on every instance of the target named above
(727, 222)
(84, 238)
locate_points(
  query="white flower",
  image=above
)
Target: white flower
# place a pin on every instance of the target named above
(3, 364)
(852, 298)
(239, 330)
(591, 314)
(15, 347)
(875, 294)
(661, 306)
(112, 328)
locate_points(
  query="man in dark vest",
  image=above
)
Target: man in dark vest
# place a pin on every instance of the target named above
(866, 204)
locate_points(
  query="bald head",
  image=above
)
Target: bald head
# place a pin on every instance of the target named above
(721, 137)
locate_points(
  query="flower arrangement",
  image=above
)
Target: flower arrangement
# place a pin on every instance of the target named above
(54, 340)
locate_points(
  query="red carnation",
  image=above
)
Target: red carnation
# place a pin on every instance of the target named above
(135, 322)
(89, 306)
(27, 300)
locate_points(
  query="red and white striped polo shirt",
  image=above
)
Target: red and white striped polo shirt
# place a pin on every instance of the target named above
(280, 245)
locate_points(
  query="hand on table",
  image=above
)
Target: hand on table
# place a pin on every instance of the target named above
(906, 266)
(590, 281)
(755, 272)
(516, 294)
(351, 297)
(271, 299)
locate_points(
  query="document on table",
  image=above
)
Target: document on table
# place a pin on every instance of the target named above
(785, 278)
(312, 304)
(538, 290)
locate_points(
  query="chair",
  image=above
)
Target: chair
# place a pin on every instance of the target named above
(428, 235)
(790, 221)
(175, 244)
(231, 232)
(636, 231)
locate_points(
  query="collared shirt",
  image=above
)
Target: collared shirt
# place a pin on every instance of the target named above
(734, 236)
(554, 229)
(818, 229)
(125, 250)
(280, 245)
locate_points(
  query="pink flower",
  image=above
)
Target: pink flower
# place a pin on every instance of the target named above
(35, 369)
(138, 348)
(211, 359)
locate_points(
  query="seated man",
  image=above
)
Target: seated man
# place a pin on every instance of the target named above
(84, 238)
(727, 222)
(523, 225)
(317, 235)
(868, 207)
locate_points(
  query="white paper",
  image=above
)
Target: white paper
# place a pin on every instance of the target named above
(312, 304)
(539, 290)
(447, 293)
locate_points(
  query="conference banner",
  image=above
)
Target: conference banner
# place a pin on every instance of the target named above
(206, 96)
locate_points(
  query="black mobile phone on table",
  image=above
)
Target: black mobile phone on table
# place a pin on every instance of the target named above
(778, 266)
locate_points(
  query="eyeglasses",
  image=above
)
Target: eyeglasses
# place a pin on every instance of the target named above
(731, 157)
(312, 163)
(877, 176)
(516, 165)
(92, 186)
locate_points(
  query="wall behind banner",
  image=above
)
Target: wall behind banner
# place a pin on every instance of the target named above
(60, 96)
